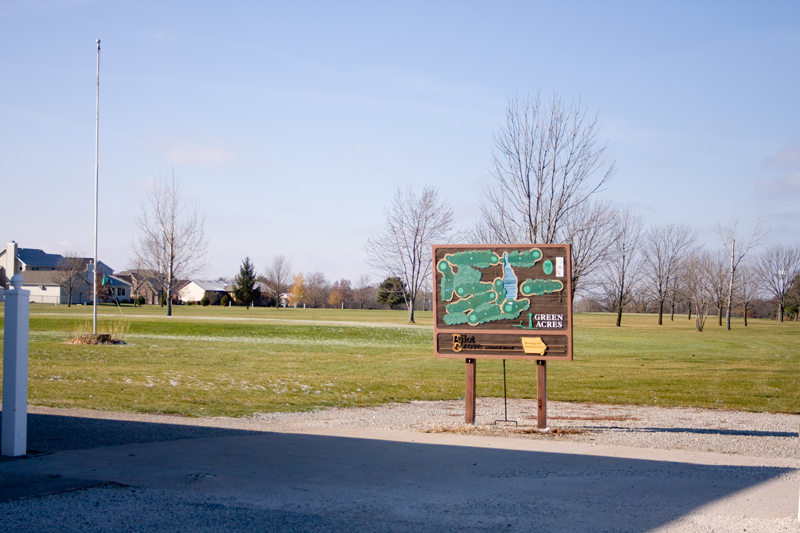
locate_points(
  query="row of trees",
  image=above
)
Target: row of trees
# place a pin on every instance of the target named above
(664, 266)
(278, 285)
(548, 166)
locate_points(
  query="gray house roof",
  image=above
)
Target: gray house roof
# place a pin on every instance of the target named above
(210, 286)
(39, 277)
(33, 257)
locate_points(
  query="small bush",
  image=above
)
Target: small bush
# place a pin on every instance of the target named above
(224, 300)
(140, 300)
(205, 301)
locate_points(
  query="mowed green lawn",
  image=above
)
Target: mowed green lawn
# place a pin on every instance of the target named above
(234, 362)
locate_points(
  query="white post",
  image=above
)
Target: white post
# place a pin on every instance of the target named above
(13, 440)
(96, 189)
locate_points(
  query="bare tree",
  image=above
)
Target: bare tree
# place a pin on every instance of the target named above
(777, 268)
(172, 239)
(547, 166)
(696, 284)
(403, 249)
(363, 290)
(278, 278)
(717, 276)
(620, 272)
(728, 235)
(746, 288)
(69, 274)
(665, 248)
(591, 231)
(793, 297)
(316, 289)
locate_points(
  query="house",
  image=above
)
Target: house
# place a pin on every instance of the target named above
(144, 283)
(45, 288)
(15, 260)
(44, 277)
(196, 290)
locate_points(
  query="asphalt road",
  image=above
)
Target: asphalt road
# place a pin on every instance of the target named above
(147, 474)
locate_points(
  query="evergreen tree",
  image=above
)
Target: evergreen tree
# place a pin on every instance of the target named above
(392, 292)
(245, 292)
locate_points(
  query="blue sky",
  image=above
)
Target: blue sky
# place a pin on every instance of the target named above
(292, 123)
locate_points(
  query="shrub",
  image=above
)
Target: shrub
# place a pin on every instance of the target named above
(224, 300)
(140, 300)
(205, 301)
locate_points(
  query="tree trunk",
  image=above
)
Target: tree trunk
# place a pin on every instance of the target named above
(745, 315)
(660, 312)
(619, 316)
(730, 287)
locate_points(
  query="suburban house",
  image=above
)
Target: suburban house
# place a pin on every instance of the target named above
(45, 279)
(143, 283)
(196, 290)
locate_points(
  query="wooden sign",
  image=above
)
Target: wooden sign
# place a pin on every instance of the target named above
(503, 302)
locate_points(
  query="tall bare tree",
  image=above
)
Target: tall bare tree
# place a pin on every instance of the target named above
(778, 267)
(717, 275)
(317, 290)
(665, 248)
(620, 271)
(363, 290)
(278, 278)
(547, 165)
(591, 231)
(746, 288)
(172, 240)
(69, 274)
(413, 224)
(696, 283)
(728, 234)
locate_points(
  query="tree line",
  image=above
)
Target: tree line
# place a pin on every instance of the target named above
(278, 286)
(548, 170)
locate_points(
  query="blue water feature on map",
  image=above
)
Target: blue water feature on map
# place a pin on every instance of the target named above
(509, 279)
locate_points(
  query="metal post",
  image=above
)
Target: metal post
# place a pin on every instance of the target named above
(13, 440)
(96, 188)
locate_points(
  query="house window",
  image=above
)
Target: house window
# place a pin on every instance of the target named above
(121, 291)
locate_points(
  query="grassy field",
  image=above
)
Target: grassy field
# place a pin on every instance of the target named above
(234, 362)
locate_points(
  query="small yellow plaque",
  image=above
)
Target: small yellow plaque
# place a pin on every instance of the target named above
(534, 345)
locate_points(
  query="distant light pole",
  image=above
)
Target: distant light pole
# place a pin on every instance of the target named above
(96, 184)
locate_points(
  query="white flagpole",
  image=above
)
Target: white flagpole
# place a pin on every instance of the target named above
(96, 184)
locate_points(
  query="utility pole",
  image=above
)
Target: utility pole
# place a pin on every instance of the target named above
(96, 184)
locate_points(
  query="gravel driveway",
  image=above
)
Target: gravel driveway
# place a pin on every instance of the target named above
(408, 467)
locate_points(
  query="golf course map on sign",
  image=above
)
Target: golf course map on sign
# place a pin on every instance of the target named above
(509, 301)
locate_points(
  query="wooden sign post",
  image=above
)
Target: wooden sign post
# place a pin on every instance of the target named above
(503, 302)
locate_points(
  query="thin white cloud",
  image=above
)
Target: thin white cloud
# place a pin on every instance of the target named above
(786, 163)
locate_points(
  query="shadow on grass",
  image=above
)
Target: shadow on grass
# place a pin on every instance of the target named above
(237, 480)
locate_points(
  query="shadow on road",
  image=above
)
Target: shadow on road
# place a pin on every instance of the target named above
(297, 481)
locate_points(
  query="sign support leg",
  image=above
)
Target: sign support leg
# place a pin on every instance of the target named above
(541, 393)
(469, 392)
